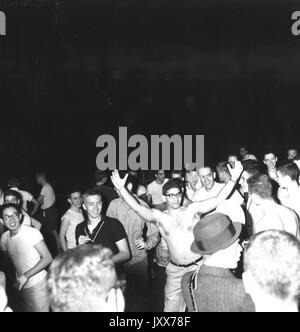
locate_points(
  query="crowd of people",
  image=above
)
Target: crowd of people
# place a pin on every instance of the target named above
(220, 238)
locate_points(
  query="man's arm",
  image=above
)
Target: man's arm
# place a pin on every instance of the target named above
(210, 204)
(124, 252)
(62, 234)
(36, 224)
(35, 206)
(144, 212)
(45, 260)
(40, 200)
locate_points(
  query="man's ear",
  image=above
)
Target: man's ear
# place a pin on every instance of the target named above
(266, 162)
(115, 301)
(69, 201)
(214, 175)
(83, 205)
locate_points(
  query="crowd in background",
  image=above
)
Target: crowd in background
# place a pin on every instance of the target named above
(223, 237)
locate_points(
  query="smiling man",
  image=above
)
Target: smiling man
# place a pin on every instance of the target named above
(30, 256)
(100, 229)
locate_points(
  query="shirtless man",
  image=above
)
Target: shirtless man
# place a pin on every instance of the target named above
(273, 215)
(176, 227)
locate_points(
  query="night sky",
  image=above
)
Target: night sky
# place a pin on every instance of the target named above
(73, 70)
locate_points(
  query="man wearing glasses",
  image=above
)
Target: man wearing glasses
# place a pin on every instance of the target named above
(30, 256)
(176, 225)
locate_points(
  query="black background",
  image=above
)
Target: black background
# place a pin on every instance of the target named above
(73, 70)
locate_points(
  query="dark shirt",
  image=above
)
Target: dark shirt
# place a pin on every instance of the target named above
(107, 233)
(108, 194)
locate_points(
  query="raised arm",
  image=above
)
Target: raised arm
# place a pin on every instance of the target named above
(145, 212)
(210, 204)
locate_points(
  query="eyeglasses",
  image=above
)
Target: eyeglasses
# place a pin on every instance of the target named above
(14, 216)
(172, 196)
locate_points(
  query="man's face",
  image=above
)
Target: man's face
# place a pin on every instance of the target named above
(11, 199)
(270, 160)
(292, 154)
(224, 177)
(173, 198)
(243, 181)
(160, 176)
(206, 177)
(93, 206)
(38, 179)
(76, 200)
(11, 219)
(243, 151)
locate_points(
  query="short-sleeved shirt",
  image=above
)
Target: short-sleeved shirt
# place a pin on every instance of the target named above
(202, 194)
(155, 190)
(74, 218)
(108, 232)
(26, 197)
(49, 196)
(21, 250)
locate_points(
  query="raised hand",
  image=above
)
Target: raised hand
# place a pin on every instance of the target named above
(117, 181)
(236, 171)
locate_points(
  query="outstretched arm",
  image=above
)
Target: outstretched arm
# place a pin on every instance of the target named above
(210, 204)
(144, 212)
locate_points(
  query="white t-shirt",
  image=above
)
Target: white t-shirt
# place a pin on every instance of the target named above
(202, 194)
(22, 252)
(49, 196)
(26, 197)
(155, 190)
(74, 219)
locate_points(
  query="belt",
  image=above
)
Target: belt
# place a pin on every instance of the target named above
(187, 265)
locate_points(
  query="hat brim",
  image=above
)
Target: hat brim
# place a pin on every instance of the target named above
(238, 228)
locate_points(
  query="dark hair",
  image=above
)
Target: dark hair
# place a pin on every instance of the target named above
(289, 168)
(100, 175)
(11, 205)
(91, 192)
(260, 185)
(13, 182)
(252, 167)
(15, 194)
(42, 173)
(173, 183)
(72, 191)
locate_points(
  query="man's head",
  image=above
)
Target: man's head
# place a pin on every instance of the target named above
(270, 160)
(292, 153)
(272, 267)
(260, 188)
(12, 217)
(92, 203)
(41, 178)
(75, 198)
(101, 177)
(173, 194)
(13, 182)
(12, 196)
(207, 177)
(287, 172)
(243, 151)
(251, 168)
(160, 176)
(223, 172)
(84, 280)
(217, 236)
